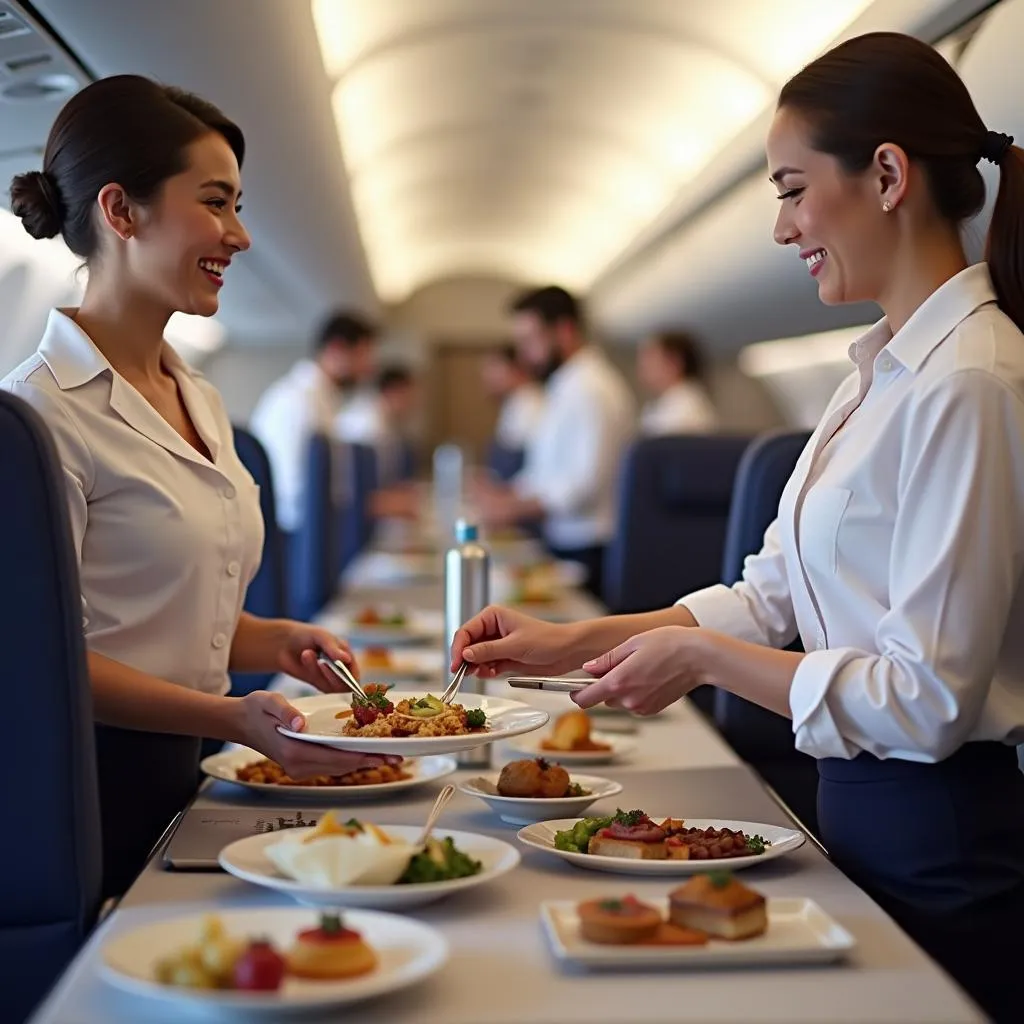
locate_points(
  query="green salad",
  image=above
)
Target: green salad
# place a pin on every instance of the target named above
(439, 861)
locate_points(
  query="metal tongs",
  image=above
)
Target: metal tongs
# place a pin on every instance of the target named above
(453, 687)
(343, 672)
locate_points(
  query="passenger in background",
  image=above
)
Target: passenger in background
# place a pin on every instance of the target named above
(670, 367)
(383, 420)
(572, 463)
(142, 180)
(509, 381)
(308, 400)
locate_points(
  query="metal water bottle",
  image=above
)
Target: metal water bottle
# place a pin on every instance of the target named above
(467, 573)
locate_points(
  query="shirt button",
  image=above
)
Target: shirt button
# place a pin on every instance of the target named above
(234, 568)
(229, 492)
(885, 364)
(820, 640)
(219, 640)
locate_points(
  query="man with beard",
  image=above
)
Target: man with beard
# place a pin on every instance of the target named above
(308, 400)
(572, 462)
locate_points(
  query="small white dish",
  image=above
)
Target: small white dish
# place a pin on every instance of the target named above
(246, 859)
(408, 665)
(419, 628)
(505, 719)
(527, 810)
(423, 770)
(618, 748)
(799, 932)
(541, 836)
(408, 951)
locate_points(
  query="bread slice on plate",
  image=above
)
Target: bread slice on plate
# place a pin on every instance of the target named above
(618, 921)
(719, 905)
(602, 846)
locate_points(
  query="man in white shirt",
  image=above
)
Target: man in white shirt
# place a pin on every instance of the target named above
(306, 401)
(669, 366)
(522, 399)
(572, 462)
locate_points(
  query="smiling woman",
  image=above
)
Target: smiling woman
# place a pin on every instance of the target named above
(144, 182)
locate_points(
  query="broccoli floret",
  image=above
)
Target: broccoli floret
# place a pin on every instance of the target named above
(475, 718)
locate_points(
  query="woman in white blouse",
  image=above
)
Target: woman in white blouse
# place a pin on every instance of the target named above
(898, 551)
(143, 182)
(670, 367)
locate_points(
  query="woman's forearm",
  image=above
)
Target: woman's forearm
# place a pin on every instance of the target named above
(759, 674)
(257, 643)
(130, 699)
(593, 637)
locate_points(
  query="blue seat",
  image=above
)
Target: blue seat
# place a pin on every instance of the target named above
(312, 550)
(358, 464)
(761, 737)
(50, 878)
(504, 462)
(674, 496)
(407, 462)
(266, 595)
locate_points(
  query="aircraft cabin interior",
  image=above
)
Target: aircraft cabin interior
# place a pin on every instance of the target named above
(512, 510)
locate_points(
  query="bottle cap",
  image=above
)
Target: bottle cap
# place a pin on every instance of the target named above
(465, 531)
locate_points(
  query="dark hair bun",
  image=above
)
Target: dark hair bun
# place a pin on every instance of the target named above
(34, 199)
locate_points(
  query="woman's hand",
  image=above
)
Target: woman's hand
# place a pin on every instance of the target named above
(649, 671)
(296, 656)
(499, 641)
(263, 712)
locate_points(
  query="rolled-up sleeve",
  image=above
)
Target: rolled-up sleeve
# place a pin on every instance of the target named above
(955, 564)
(759, 608)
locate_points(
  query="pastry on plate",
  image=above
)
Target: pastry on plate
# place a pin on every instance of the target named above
(618, 921)
(718, 904)
(330, 951)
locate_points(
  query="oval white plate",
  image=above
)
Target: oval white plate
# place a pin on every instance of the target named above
(525, 811)
(245, 859)
(505, 719)
(784, 840)
(419, 628)
(619, 748)
(408, 950)
(224, 765)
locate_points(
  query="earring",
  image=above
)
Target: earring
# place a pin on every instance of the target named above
(886, 207)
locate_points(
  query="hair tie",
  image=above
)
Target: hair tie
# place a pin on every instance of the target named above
(995, 147)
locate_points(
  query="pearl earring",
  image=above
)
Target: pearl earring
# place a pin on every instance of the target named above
(886, 207)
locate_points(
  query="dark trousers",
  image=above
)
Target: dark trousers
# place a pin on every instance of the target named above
(941, 848)
(145, 779)
(592, 559)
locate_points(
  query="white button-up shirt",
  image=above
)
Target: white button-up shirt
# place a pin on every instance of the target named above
(167, 540)
(305, 401)
(520, 417)
(572, 464)
(897, 554)
(684, 408)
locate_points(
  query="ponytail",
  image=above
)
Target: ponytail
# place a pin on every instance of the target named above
(1004, 249)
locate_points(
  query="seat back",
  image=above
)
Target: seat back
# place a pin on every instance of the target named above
(761, 737)
(504, 462)
(266, 595)
(674, 497)
(313, 548)
(359, 466)
(50, 877)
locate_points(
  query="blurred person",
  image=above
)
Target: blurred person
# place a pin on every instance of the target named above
(308, 400)
(572, 462)
(507, 379)
(670, 368)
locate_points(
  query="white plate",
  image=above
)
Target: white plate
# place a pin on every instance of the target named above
(784, 840)
(420, 628)
(526, 811)
(799, 932)
(224, 765)
(390, 568)
(619, 748)
(505, 718)
(408, 950)
(245, 859)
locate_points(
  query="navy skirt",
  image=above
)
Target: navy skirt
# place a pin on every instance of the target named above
(145, 779)
(941, 848)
